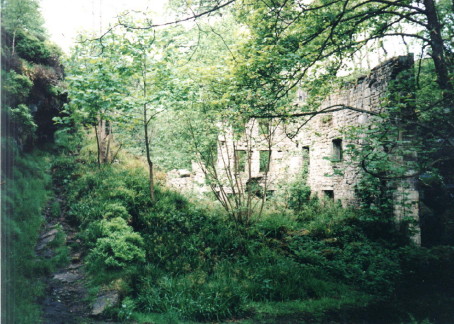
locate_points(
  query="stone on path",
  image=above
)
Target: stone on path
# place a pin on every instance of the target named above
(67, 277)
(102, 302)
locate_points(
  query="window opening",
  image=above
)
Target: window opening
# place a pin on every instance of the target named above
(264, 127)
(264, 161)
(329, 194)
(240, 160)
(337, 149)
(239, 130)
(306, 155)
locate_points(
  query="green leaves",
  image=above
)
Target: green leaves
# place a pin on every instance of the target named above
(15, 85)
(119, 249)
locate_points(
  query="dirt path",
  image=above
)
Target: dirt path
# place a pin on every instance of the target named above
(66, 295)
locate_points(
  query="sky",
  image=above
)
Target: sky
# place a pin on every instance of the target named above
(65, 18)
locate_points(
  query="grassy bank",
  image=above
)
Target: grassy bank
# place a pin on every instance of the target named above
(175, 261)
(25, 191)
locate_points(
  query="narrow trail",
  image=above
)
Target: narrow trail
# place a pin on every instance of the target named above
(66, 295)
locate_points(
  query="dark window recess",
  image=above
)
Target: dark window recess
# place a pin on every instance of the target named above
(264, 127)
(337, 149)
(306, 155)
(254, 187)
(329, 194)
(240, 160)
(264, 161)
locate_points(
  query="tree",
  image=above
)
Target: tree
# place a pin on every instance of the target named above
(298, 44)
(98, 91)
(151, 82)
(22, 16)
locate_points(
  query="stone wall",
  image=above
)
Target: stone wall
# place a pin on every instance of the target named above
(316, 144)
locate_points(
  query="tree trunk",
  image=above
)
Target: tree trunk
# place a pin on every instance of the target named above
(146, 122)
(102, 140)
(98, 146)
(147, 149)
(437, 45)
(151, 180)
(13, 45)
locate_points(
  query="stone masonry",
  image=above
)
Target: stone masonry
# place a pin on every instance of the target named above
(319, 146)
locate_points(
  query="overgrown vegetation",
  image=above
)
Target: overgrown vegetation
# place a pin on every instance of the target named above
(174, 259)
(318, 263)
(26, 192)
(30, 75)
(23, 200)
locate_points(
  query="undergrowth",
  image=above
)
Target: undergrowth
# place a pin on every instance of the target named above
(25, 190)
(318, 263)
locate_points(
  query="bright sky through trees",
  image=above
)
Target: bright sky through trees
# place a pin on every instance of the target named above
(65, 18)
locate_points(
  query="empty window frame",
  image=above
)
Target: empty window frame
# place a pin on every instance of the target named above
(328, 194)
(240, 160)
(264, 127)
(265, 159)
(306, 155)
(337, 149)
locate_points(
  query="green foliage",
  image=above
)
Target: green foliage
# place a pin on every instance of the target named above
(128, 306)
(178, 259)
(23, 122)
(67, 139)
(197, 295)
(118, 252)
(23, 199)
(22, 15)
(15, 85)
(298, 194)
(31, 74)
(36, 49)
(27, 108)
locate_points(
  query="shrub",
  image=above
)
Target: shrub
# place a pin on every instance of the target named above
(35, 49)
(272, 277)
(116, 209)
(118, 252)
(67, 139)
(63, 171)
(299, 194)
(22, 122)
(16, 86)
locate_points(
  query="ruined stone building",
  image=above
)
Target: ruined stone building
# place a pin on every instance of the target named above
(266, 155)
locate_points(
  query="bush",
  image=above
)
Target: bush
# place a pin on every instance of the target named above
(16, 86)
(427, 269)
(273, 277)
(63, 171)
(299, 195)
(177, 258)
(36, 50)
(117, 252)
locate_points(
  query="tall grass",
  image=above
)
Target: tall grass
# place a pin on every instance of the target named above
(320, 262)
(24, 194)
